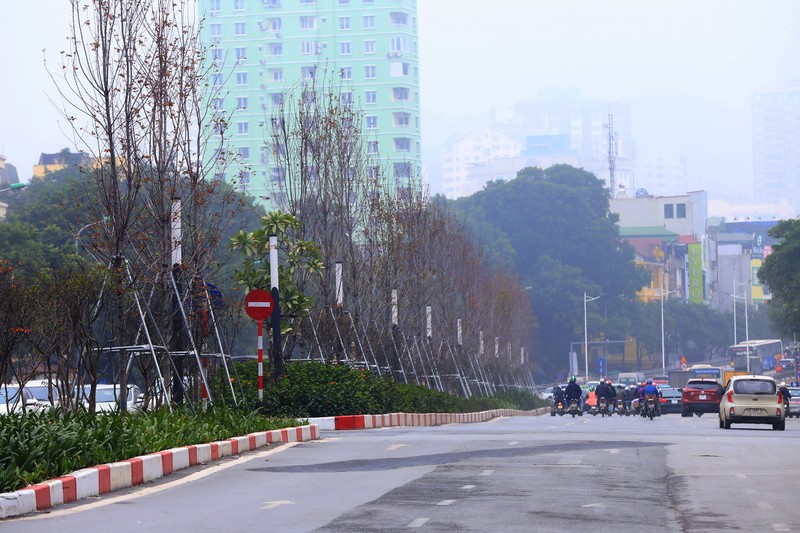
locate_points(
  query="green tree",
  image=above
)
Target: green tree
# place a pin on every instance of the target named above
(780, 271)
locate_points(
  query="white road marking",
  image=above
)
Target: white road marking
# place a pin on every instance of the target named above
(751, 491)
(395, 447)
(486, 473)
(513, 443)
(446, 502)
(419, 522)
(276, 503)
(613, 451)
(741, 476)
(780, 527)
(765, 505)
(594, 505)
(467, 487)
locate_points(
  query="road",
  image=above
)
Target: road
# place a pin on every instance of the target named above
(511, 474)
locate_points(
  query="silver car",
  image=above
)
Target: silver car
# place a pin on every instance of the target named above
(752, 400)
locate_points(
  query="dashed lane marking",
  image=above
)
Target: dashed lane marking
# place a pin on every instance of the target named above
(765, 505)
(395, 447)
(513, 443)
(781, 527)
(486, 473)
(468, 487)
(741, 476)
(418, 522)
(276, 503)
(446, 502)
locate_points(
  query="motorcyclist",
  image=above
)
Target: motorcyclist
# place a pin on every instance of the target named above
(651, 389)
(612, 398)
(603, 391)
(558, 396)
(574, 392)
(628, 395)
(784, 390)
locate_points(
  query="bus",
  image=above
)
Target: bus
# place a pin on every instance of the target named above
(763, 355)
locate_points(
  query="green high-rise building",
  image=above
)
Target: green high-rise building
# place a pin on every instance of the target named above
(261, 48)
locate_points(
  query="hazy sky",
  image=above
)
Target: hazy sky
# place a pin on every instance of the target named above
(687, 67)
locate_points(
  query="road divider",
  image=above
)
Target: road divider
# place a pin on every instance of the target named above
(347, 422)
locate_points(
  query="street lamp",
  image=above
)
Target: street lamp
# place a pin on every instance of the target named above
(13, 187)
(663, 349)
(87, 226)
(586, 333)
(746, 325)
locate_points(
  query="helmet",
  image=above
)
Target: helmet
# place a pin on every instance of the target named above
(608, 381)
(630, 387)
(783, 383)
(573, 379)
(649, 381)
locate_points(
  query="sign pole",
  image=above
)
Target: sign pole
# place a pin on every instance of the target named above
(260, 360)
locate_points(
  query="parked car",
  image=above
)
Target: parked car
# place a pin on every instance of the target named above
(14, 399)
(107, 397)
(43, 391)
(700, 396)
(752, 400)
(794, 403)
(670, 400)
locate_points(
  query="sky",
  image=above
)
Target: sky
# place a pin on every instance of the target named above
(687, 68)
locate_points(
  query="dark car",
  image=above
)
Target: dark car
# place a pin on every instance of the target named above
(700, 396)
(670, 400)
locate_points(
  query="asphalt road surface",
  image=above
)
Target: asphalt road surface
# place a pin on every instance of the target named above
(511, 474)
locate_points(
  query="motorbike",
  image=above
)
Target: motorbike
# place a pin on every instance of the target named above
(574, 409)
(621, 411)
(650, 406)
(558, 408)
(602, 406)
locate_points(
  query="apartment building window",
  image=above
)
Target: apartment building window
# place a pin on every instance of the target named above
(369, 47)
(374, 172)
(217, 79)
(276, 99)
(276, 49)
(241, 78)
(308, 73)
(276, 74)
(278, 174)
(306, 1)
(264, 155)
(398, 45)
(216, 55)
(669, 211)
(370, 72)
(308, 23)
(238, 5)
(344, 2)
(346, 73)
(214, 5)
(399, 19)
(216, 30)
(345, 48)
(307, 48)
(372, 122)
(372, 147)
(241, 54)
(240, 29)
(241, 102)
(346, 98)
(217, 103)
(402, 119)
(402, 170)
(344, 23)
(243, 128)
(398, 69)
(402, 144)
(244, 152)
(271, 3)
(680, 210)
(371, 97)
(400, 94)
(369, 22)
(274, 24)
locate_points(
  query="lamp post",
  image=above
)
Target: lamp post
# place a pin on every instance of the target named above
(586, 299)
(663, 349)
(746, 325)
(14, 187)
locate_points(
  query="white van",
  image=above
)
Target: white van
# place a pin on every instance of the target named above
(631, 378)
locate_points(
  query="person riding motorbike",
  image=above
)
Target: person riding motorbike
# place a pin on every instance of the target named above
(651, 389)
(573, 392)
(558, 396)
(603, 391)
(612, 396)
(784, 390)
(627, 397)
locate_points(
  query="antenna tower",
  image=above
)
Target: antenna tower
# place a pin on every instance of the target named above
(612, 154)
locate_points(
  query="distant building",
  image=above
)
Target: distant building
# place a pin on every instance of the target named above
(261, 49)
(59, 161)
(8, 172)
(776, 146)
(468, 162)
(661, 175)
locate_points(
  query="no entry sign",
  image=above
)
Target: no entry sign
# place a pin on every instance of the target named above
(258, 304)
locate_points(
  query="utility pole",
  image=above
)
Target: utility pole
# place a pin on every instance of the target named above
(612, 155)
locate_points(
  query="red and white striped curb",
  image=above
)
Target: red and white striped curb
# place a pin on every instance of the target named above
(105, 478)
(415, 419)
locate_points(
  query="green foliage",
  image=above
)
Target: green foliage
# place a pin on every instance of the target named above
(780, 272)
(39, 446)
(312, 389)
